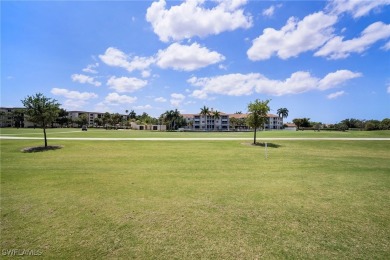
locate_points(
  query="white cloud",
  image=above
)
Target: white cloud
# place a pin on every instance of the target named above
(335, 95)
(102, 106)
(146, 73)
(177, 99)
(246, 84)
(85, 79)
(386, 47)
(336, 48)
(293, 38)
(73, 94)
(191, 18)
(126, 84)
(388, 89)
(160, 99)
(116, 58)
(337, 78)
(74, 104)
(357, 8)
(271, 10)
(91, 68)
(187, 57)
(116, 99)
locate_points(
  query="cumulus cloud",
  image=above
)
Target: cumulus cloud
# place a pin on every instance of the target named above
(177, 99)
(335, 95)
(246, 84)
(116, 99)
(116, 58)
(126, 84)
(85, 79)
(160, 99)
(191, 18)
(73, 94)
(336, 48)
(74, 99)
(187, 57)
(293, 38)
(357, 8)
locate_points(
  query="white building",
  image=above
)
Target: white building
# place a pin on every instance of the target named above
(207, 122)
(224, 123)
(90, 116)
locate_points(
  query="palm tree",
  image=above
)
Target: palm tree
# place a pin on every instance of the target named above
(176, 116)
(217, 115)
(205, 112)
(282, 112)
(132, 114)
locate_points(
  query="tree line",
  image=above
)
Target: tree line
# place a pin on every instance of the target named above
(344, 125)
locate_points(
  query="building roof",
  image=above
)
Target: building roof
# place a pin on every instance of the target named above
(290, 125)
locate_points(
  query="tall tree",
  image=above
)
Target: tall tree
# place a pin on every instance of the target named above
(132, 114)
(173, 119)
(116, 118)
(282, 112)
(107, 119)
(258, 111)
(63, 118)
(41, 110)
(205, 111)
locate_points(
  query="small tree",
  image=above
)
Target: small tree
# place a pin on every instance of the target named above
(41, 110)
(258, 111)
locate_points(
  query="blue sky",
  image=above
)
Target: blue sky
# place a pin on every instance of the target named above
(326, 60)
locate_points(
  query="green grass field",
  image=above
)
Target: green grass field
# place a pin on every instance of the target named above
(196, 199)
(76, 132)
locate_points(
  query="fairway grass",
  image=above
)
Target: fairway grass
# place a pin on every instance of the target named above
(197, 199)
(102, 133)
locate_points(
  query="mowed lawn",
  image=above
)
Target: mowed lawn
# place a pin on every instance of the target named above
(102, 133)
(197, 199)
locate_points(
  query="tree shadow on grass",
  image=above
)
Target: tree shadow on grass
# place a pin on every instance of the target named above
(271, 145)
(36, 149)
